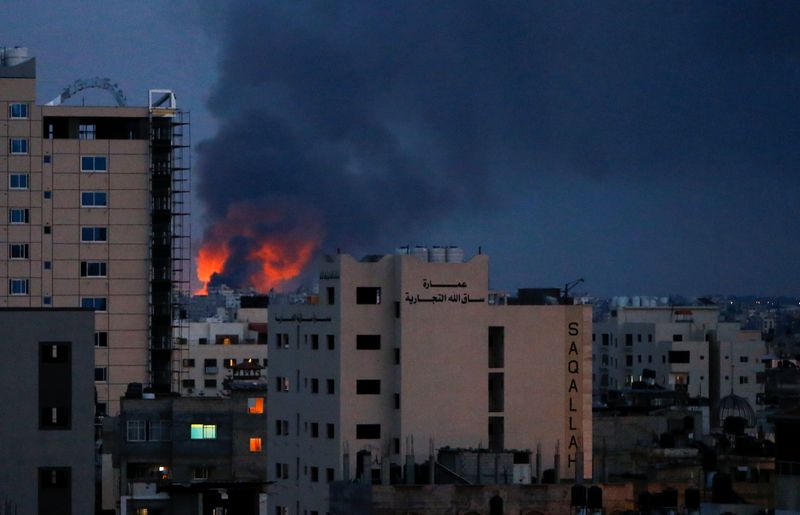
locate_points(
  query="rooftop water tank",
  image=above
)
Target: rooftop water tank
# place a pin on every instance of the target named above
(403, 251)
(420, 252)
(13, 56)
(438, 254)
(455, 254)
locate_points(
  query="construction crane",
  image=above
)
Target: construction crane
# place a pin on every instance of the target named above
(96, 83)
(569, 286)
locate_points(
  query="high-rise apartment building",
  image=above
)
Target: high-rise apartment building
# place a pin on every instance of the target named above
(398, 352)
(90, 199)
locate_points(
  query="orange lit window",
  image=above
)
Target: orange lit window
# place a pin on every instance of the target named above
(226, 341)
(255, 445)
(255, 405)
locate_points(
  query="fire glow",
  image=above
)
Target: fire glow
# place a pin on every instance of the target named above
(246, 249)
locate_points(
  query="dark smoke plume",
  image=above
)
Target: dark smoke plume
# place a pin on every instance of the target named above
(358, 123)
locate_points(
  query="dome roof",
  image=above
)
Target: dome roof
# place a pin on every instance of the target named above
(734, 406)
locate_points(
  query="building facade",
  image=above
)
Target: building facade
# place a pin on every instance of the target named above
(677, 347)
(89, 197)
(399, 355)
(47, 423)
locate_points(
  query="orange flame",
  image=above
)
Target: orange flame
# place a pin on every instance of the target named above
(210, 260)
(277, 256)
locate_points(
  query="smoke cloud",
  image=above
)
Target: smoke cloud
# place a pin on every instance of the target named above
(355, 124)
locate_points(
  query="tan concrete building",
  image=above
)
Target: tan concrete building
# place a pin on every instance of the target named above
(398, 352)
(87, 205)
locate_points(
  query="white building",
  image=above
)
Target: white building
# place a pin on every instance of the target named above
(398, 352)
(213, 347)
(676, 347)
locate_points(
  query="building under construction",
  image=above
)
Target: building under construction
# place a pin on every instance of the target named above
(94, 215)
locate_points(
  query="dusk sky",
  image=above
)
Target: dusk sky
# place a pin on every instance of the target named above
(649, 147)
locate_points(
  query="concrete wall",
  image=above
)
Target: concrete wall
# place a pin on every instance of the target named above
(26, 447)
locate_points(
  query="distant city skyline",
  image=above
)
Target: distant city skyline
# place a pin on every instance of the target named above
(645, 147)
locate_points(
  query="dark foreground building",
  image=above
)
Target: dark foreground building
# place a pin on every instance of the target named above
(47, 411)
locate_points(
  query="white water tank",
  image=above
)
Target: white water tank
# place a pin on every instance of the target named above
(12, 56)
(403, 251)
(420, 252)
(455, 254)
(636, 301)
(437, 254)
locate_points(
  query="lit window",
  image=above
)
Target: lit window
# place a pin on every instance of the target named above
(18, 110)
(255, 445)
(101, 374)
(18, 251)
(94, 163)
(94, 234)
(18, 181)
(94, 199)
(18, 286)
(204, 432)
(255, 405)
(95, 303)
(18, 146)
(18, 216)
(94, 269)
(87, 131)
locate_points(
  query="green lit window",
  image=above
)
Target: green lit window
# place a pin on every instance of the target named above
(204, 431)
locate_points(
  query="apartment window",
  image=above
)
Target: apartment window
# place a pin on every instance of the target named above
(101, 374)
(314, 385)
(47, 159)
(187, 383)
(628, 339)
(331, 293)
(94, 164)
(188, 362)
(93, 269)
(202, 341)
(18, 146)
(397, 356)
(496, 347)
(331, 386)
(314, 474)
(18, 110)
(677, 337)
(87, 131)
(228, 362)
(314, 341)
(18, 250)
(397, 401)
(94, 199)
(203, 432)
(282, 384)
(137, 431)
(18, 216)
(47, 194)
(47, 229)
(282, 340)
(18, 181)
(255, 444)
(744, 379)
(281, 472)
(679, 356)
(282, 427)
(95, 303)
(200, 473)
(744, 359)
(368, 431)
(210, 365)
(368, 387)
(331, 342)
(18, 286)
(255, 405)
(329, 475)
(209, 383)
(314, 430)
(368, 342)
(94, 234)
(47, 265)
(101, 339)
(650, 338)
(330, 431)
(368, 295)
(47, 301)
(629, 360)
